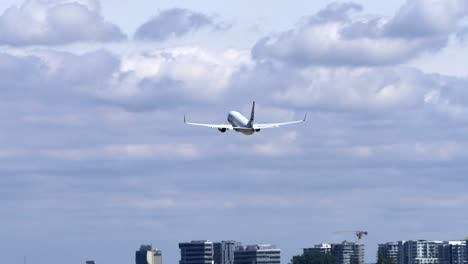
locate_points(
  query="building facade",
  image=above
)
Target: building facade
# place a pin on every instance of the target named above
(318, 249)
(257, 254)
(453, 252)
(425, 252)
(196, 252)
(147, 255)
(458, 253)
(348, 253)
(419, 252)
(390, 250)
(223, 252)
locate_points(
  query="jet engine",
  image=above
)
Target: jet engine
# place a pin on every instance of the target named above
(222, 130)
(257, 130)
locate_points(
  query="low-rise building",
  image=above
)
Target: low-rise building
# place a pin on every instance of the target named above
(257, 254)
(147, 255)
(318, 249)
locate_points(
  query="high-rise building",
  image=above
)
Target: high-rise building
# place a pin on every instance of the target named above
(348, 253)
(148, 255)
(223, 252)
(257, 254)
(453, 252)
(419, 252)
(426, 252)
(458, 252)
(320, 249)
(389, 250)
(196, 252)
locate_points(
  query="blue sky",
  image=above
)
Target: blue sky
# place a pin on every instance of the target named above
(95, 159)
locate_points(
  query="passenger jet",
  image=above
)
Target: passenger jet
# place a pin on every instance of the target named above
(239, 123)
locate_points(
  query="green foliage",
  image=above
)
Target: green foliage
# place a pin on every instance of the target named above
(315, 258)
(383, 260)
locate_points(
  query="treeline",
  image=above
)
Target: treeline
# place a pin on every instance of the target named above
(314, 258)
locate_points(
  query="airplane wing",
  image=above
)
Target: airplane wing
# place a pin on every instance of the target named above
(221, 126)
(273, 125)
(218, 126)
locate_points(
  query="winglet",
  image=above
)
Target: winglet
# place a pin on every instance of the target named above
(305, 117)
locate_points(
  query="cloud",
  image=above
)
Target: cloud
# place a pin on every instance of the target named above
(50, 76)
(145, 81)
(411, 151)
(359, 89)
(337, 12)
(333, 37)
(427, 19)
(185, 73)
(122, 152)
(95, 139)
(56, 23)
(110, 151)
(284, 146)
(134, 81)
(445, 105)
(177, 22)
(462, 34)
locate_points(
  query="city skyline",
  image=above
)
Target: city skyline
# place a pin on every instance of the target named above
(345, 252)
(95, 156)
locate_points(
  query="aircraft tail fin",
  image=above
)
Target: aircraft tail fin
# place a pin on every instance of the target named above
(252, 114)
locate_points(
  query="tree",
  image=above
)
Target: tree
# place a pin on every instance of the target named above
(314, 258)
(384, 260)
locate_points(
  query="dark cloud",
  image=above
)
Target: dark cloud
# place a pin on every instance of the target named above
(333, 37)
(177, 22)
(56, 23)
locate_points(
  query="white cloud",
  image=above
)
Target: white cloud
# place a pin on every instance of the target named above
(427, 18)
(332, 37)
(433, 98)
(187, 72)
(176, 22)
(55, 23)
(283, 146)
(354, 88)
(152, 80)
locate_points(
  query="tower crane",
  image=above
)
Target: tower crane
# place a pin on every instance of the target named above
(359, 234)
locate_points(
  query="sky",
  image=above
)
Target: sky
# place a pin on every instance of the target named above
(95, 159)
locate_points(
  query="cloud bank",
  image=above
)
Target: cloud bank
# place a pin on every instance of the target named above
(60, 22)
(336, 37)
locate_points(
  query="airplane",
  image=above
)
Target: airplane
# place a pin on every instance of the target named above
(239, 123)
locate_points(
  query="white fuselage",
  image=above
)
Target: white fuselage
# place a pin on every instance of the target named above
(237, 120)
